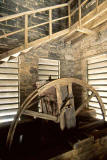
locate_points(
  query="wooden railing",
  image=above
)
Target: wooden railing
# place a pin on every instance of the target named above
(50, 21)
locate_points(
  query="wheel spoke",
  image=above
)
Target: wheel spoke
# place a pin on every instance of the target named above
(59, 97)
(70, 92)
(35, 95)
(40, 115)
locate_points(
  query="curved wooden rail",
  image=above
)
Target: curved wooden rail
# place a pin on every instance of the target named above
(39, 93)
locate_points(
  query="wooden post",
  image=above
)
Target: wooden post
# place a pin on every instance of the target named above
(71, 93)
(79, 6)
(26, 31)
(69, 15)
(50, 22)
(59, 97)
(96, 5)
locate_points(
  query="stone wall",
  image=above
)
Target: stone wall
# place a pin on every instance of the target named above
(73, 58)
(10, 7)
(86, 47)
(55, 50)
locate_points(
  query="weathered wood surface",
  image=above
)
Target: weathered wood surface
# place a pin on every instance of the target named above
(86, 149)
(41, 91)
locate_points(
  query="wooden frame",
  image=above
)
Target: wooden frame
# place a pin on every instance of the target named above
(38, 93)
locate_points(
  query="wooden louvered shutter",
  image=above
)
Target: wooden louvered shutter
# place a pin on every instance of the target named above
(48, 67)
(97, 77)
(9, 90)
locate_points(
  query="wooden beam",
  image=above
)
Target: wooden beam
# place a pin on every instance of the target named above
(32, 12)
(59, 104)
(58, 19)
(91, 20)
(59, 97)
(85, 30)
(69, 16)
(26, 31)
(37, 25)
(95, 16)
(50, 22)
(79, 6)
(40, 115)
(12, 33)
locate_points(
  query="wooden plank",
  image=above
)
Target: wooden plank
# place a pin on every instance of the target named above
(69, 15)
(94, 104)
(8, 106)
(5, 119)
(101, 70)
(8, 70)
(97, 65)
(99, 20)
(40, 72)
(8, 112)
(40, 115)
(70, 91)
(8, 94)
(7, 89)
(97, 82)
(102, 94)
(59, 104)
(8, 100)
(59, 19)
(8, 76)
(88, 20)
(97, 76)
(79, 6)
(100, 88)
(73, 12)
(102, 10)
(85, 31)
(46, 67)
(100, 117)
(32, 12)
(97, 59)
(8, 83)
(9, 65)
(38, 25)
(26, 31)
(50, 22)
(94, 99)
(59, 97)
(12, 33)
(48, 61)
(58, 69)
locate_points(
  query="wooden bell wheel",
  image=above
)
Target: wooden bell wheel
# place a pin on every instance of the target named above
(40, 94)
